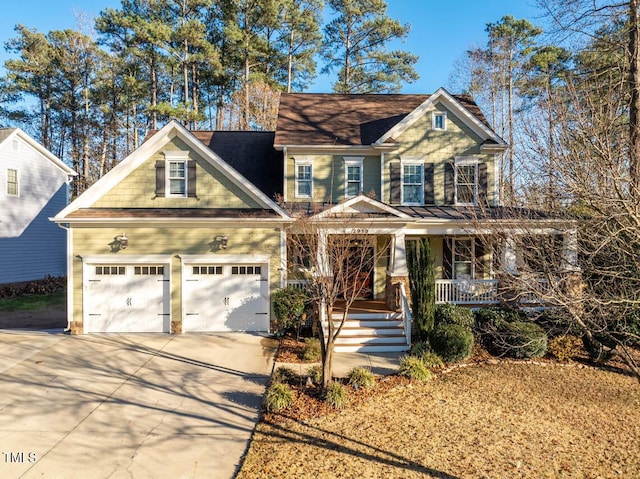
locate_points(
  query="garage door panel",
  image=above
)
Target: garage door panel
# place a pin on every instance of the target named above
(127, 298)
(233, 298)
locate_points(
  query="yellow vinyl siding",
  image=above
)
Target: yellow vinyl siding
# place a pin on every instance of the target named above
(214, 189)
(440, 147)
(173, 242)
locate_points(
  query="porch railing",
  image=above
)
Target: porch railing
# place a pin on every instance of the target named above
(302, 284)
(406, 313)
(472, 291)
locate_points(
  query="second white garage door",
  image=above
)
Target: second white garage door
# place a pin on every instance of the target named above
(225, 297)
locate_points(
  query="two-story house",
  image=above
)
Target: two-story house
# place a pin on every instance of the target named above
(189, 233)
(33, 187)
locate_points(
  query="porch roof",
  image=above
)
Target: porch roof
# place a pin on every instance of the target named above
(448, 212)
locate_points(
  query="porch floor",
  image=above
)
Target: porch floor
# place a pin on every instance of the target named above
(363, 306)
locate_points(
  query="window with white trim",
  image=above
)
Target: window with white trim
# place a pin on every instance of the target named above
(466, 181)
(412, 182)
(439, 120)
(463, 254)
(304, 178)
(12, 182)
(177, 177)
(353, 177)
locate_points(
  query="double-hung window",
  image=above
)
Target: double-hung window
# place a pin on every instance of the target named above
(304, 178)
(177, 178)
(177, 175)
(412, 182)
(463, 255)
(353, 176)
(466, 181)
(12, 182)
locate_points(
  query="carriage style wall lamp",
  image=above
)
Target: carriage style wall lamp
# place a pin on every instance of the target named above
(123, 241)
(222, 241)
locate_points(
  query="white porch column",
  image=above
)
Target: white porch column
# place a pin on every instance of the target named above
(570, 249)
(399, 255)
(324, 268)
(509, 259)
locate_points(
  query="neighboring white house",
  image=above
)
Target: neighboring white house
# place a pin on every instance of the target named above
(33, 187)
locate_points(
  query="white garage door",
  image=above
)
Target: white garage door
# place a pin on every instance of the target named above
(127, 298)
(225, 297)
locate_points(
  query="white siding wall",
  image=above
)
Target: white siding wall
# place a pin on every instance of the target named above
(31, 246)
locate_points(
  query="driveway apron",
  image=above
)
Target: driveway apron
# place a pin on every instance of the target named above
(129, 405)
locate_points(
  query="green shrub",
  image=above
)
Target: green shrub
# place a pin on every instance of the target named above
(452, 342)
(289, 306)
(336, 395)
(315, 373)
(556, 323)
(362, 377)
(279, 396)
(490, 318)
(312, 352)
(432, 360)
(283, 374)
(452, 314)
(420, 348)
(565, 348)
(520, 339)
(413, 367)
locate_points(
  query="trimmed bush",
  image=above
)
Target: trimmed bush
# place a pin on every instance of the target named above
(520, 340)
(336, 395)
(279, 396)
(289, 306)
(452, 314)
(490, 318)
(283, 374)
(432, 360)
(452, 342)
(312, 352)
(420, 348)
(362, 377)
(413, 367)
(565, 348)
(315, 373)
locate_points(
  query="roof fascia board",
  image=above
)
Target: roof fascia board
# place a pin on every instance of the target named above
(233, 174)
(341, 207)
(142, 153)
(442, 96)
(142, 222)
(42, 150)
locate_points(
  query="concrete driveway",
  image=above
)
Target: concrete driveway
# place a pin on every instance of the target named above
(129, 405)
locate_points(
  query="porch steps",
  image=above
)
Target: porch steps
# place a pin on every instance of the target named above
(371, 332)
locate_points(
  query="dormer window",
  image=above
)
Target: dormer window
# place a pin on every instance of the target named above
(353, 176)
(439, 120)
(304, 178)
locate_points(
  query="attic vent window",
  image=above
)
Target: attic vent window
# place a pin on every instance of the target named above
(15, 144)
(176, 175)
(439, 121)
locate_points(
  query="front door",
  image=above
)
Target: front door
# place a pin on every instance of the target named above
(360, 271)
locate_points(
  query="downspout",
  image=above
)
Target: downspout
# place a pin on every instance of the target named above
(284, 174)
(283, 257)
(382, 176)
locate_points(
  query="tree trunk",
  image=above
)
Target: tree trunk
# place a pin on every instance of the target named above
(290, 62)
(634, 107)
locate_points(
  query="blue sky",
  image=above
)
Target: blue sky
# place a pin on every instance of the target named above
(441, 30)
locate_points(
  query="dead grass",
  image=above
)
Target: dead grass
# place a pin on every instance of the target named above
(505, 420)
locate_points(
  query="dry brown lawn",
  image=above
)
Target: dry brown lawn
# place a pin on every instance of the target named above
(487, 421)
